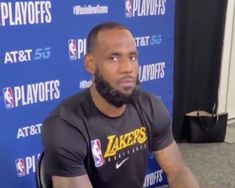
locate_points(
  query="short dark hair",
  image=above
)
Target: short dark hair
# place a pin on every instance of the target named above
(92, 35)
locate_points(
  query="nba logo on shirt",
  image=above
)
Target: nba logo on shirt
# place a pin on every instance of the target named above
(20, 167)
(128, 8)
(73, 52)
(97, 153)
(8, 97)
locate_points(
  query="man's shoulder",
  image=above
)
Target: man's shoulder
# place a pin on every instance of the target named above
(150, 103)
(147, 97)
(70, 109)
(76, 100)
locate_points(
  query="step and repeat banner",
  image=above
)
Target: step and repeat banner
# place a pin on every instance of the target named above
(42, 44)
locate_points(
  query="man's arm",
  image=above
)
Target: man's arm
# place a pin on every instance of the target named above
(171, 162)
(71, 182)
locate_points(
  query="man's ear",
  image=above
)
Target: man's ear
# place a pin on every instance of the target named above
(89, 63)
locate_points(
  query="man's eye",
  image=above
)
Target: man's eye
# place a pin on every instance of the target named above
(114, 58)
(133, 58)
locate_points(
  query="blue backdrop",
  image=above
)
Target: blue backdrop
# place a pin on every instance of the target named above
(42, 44)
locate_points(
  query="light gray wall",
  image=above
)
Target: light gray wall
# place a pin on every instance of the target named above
(227, 80)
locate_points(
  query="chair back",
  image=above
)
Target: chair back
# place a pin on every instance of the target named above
(43, 180)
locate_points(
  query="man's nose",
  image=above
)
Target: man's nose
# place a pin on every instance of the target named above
(126, 66)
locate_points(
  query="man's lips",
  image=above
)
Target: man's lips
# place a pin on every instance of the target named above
(127, 81)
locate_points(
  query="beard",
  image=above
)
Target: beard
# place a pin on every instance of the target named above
(112, 95)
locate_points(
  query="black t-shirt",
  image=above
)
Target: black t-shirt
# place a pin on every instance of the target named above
(78, 139)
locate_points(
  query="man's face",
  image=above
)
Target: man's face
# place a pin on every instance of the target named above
(115, 57)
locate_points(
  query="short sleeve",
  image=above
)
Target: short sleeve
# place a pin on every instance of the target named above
(161, 129)
(65, 148)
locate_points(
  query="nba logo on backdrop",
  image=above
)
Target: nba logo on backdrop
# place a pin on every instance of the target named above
(128, 8)
(20, 167)
(8, 97)
(97, 152)
(73, 52)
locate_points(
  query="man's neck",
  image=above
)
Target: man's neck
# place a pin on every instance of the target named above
(104, 106)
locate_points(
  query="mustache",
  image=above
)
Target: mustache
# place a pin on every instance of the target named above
(129, 77)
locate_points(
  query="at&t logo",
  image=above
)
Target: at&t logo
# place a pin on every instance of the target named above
(147, 40)
(27, 55)
(28, 131)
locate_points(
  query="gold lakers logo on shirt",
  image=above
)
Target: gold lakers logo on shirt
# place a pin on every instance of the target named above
(117, 143)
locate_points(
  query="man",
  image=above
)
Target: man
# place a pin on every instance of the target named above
(101, 137)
